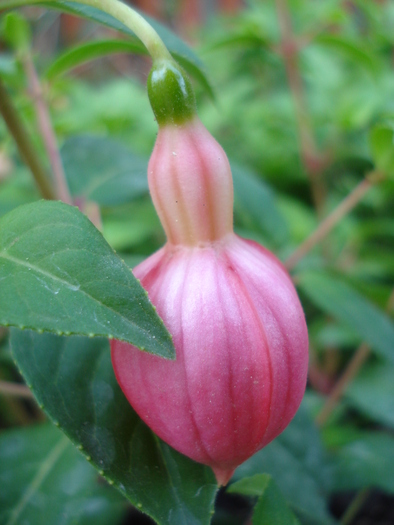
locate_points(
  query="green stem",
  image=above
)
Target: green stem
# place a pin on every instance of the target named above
(24, 143)
(122, 12)
(355, 506)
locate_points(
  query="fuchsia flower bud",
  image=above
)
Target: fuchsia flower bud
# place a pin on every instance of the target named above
(238, 327)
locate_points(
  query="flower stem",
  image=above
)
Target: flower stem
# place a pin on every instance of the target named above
(135, 22)
(122, 12)
(346, 378)
(24, 143)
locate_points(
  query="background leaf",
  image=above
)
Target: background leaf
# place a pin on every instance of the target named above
(90, 51)
(256, 199)
(271, 506)
(366, 462)
(381, 139)
(357, 51)
(345, 304)
(372, 392)
(296, 461)
(57, 273)
(16, 32)
(42, 474)
(17, 190)
(103, 170)
(72, 378)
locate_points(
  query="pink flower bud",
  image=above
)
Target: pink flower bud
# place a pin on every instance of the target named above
(238, 327)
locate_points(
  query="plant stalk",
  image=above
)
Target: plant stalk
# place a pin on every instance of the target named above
(312, 159)
(24, 143)
(15, 389)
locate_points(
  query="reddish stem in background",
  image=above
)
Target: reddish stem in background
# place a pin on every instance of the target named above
(47, 133)
(230, 6)
(15, 389)
(91, 209)
(346, 378)
(150, 7)
(312, 160)
(329, 222)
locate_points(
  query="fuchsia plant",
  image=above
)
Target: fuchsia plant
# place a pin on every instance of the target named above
(238, 327)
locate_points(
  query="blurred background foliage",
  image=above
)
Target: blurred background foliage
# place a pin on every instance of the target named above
(303, 105)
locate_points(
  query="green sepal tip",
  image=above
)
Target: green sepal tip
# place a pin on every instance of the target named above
(170, 93)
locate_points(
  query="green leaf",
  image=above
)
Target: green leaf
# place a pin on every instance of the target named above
(256, 199)
(367, 462)
(16, 32)
(90, 51)
(345, 304)
(103, 170)
(58, 274)
(180, 51)
(372, 392)
(296, 461)
(271, 506)
(352, 49)
(73, 380)
(42, 474)
(244, 39)
(17, 190)
(381, 140)
(253, 486)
